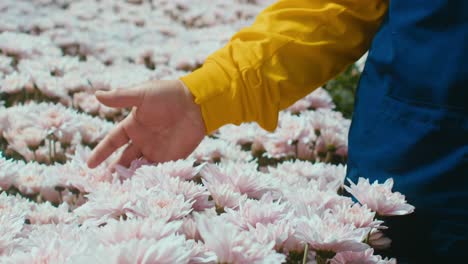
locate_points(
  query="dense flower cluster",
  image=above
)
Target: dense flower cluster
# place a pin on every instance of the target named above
(243, 196)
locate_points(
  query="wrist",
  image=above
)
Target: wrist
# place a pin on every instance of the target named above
(194, 109)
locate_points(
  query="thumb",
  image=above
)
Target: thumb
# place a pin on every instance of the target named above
(121, 98)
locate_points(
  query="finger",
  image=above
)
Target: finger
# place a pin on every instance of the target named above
(130, 154)
(121, 97)
(136, 130)
(116, 138)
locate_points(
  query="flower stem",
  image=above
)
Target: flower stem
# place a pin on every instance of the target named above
(320, 259)
(329, 157)
(50, 150)
(306, 250)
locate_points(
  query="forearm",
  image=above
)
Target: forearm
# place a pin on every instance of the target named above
(293, 47)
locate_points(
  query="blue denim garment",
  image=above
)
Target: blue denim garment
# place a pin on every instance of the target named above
(411, 121)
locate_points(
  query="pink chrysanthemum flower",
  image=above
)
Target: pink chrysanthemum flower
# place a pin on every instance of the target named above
(127, 173)
(99, 207)
(225, 195)
(215, 150)
(29, 179)
(244, 177)
(304, 198)
(281, 232)
(182, 169)
(234, 246)
(378, 240)
(252, 212)
(27, 46)
(6, 64)
(14, 83)
(321, 175)
(357, 215)
(329, 235)
(115, 232)
(45, 213)
(199, 254)
(189, 228)
(167, 250)
(189, 189)
(159, 203)
(380, 198)
(361, 257)
(242, 134)
(317, 99)
(8, 171)
(86, 102)
(11, 225)
(52, 251)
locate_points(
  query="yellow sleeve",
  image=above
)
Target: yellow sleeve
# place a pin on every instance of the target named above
(293, 47)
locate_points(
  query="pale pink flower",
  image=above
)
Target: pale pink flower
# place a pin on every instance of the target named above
(317, 99)
(189, 228)
(86, 102)
(6, 64)
(10, 227)
(199, 254)
(53, 116)
(51, 251)
(225, 195)
(99, 207)
(160, 203)
(277, 147)
(33, 136)
(281, 232)
(27, 46)
(302, 198)
(252, 212)
(357, 215)
(245, 133)
(234, 246)
(93, 129)
(378, 240)
(167, 250)
(29, 179)
(361, 257)
(182, 169)
(320, 98)
(331, 141)
(379, 197)
(323, 176)
(305, 148)
(73, 81)
(127, 173)
(244, 177)
(328, 234)
(115, 232)
(14, 83)
(299, 106)
(8, 172)
(326, 119)
(51, 87)
(214, 150)
(13, 204)
(45, 213)
(189, 189)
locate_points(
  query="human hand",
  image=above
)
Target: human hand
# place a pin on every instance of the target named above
(164, 124)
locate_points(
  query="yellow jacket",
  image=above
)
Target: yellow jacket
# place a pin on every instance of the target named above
(293, 47)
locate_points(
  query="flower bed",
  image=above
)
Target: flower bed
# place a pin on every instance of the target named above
(243, 196)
